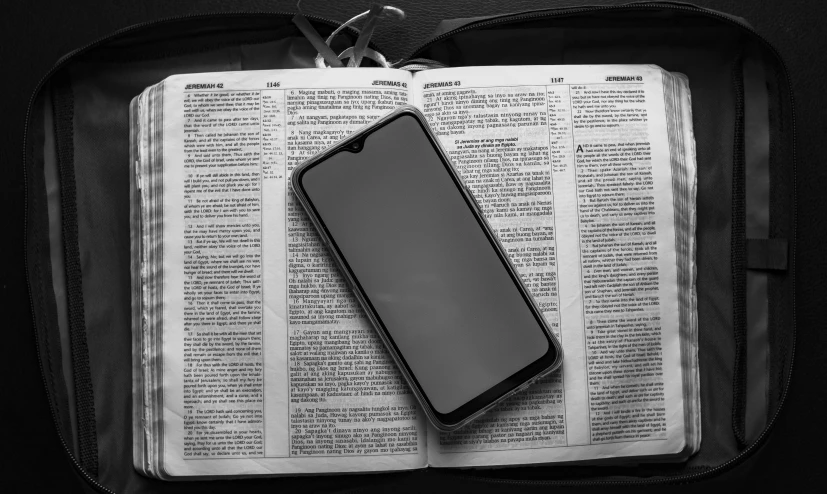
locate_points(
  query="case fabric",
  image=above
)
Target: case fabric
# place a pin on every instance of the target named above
(78, 216)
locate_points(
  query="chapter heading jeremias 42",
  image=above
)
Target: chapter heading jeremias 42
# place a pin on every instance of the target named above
(390, 83)
(218, 85)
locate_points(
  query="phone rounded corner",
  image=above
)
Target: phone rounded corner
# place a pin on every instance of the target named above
(446, 428)
(296, 176)
(449, 427)
(555, 366)
(559, 361)
(557, 348)
(409, 109)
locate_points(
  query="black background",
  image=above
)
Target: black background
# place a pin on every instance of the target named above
(35, 33)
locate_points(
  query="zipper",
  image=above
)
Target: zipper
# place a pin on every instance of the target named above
(57, 66)
(512, 18)
(709, 472)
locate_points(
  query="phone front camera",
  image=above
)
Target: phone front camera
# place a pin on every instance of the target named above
(356, 146)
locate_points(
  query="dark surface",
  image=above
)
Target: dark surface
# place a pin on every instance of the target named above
(36, 33)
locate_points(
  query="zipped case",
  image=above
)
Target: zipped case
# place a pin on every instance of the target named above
(78, 239)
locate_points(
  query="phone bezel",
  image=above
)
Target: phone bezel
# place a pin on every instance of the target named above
(512, 384)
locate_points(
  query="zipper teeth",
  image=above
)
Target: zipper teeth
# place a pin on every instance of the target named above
(708, 472)
(60, 63)
(696, 476)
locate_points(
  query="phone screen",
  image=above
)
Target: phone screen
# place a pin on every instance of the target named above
(424, 263)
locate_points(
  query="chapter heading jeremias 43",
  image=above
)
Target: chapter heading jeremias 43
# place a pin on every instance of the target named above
(624, 78)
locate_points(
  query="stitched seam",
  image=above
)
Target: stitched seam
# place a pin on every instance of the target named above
(84, 393)
(737, 252)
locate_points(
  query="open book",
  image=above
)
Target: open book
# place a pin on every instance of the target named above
(251, 356)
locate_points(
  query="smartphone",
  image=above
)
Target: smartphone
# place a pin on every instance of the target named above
(427, 268)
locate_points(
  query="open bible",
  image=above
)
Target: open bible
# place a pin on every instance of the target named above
(251, 355)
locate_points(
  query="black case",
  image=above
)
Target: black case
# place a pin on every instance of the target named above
(77, 219)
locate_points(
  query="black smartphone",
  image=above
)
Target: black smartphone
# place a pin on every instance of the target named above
(427, 268)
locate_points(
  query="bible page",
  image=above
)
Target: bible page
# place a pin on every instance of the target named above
(269, 365)
(571, 166)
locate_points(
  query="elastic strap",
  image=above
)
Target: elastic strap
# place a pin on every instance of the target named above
(327, 57)
(316, 40)
(767, 254)
(365, 35)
